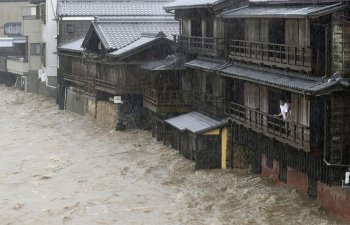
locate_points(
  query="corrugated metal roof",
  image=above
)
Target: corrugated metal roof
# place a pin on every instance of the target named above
(204, 64)
(172, 62)
(183, 4)
(74, 46)
(196, 122)
(281, 11)
(111, 8)
(289, 81)
(118, 34)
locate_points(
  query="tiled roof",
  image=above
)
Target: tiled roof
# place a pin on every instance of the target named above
(291, 81)
(118, 34)
(196, 122)
(111, 8)
(74, 45)
(281, 11)
(182, 4)
(146, 39)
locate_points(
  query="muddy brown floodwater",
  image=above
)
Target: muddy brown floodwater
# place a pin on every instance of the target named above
(60, 168)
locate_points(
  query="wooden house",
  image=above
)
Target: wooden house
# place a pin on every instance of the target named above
(109, 59)
(270, 50)
(196, 130)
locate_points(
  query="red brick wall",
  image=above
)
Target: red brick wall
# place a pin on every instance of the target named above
(334, 200)
(297, 180)
(268, 172)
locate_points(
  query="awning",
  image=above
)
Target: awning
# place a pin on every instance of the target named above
(282, 11)
(204, 64)
(6, 42)
(172, 62)
(291, 81)
(74, 46)
(196, 122)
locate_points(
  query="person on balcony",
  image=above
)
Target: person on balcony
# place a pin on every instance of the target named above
(285, 110)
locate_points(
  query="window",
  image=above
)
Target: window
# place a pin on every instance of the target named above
(196, 27)
(35, 49)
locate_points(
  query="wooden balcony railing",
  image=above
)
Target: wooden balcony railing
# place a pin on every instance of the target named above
(201, 45)
(282, 56)
(78, 79)
(167, 101)
(294, 134)
(114, 87)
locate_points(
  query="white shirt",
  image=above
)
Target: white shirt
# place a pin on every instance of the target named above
(284, 109)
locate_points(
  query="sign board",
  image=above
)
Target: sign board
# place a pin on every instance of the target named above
(117, 99)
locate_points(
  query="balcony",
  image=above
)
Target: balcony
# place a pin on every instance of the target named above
(289, 132)
(281, 56)
(77, 79)
(17, 65)
(118, 88)
(206, 46)
(173, 101)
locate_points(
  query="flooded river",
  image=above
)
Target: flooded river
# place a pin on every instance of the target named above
(60, 168)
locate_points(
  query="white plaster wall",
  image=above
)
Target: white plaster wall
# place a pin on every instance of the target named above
(49, 35)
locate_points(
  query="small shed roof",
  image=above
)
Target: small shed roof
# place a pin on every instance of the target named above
(74, 46)
(185, 4)
(196, 122)
(282, 11)
(204, 64)
(71, 8)
(6, 42)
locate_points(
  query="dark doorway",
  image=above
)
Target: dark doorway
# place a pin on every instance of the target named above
(317, 41)
(196, 28)
(277, 37)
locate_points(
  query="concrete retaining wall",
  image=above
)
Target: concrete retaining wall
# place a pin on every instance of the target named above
(74, 101)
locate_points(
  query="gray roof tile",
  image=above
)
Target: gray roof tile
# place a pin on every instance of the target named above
(111, 8)
(291, 81)
(118, 34)
(196, 122)
(281, 11)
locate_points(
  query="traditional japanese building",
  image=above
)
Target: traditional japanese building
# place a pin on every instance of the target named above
(249, 57)
(106, 63)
